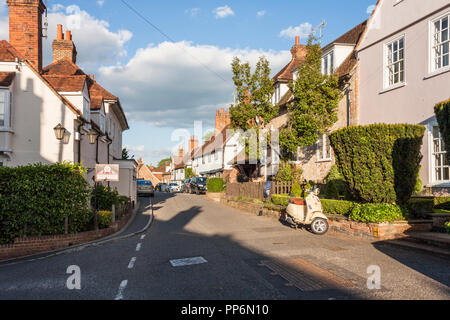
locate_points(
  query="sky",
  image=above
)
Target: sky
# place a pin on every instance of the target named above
(169, 62)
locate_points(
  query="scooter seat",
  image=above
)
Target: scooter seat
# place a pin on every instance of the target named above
(297, 201)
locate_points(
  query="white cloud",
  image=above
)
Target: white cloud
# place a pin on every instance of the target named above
(135, 148)
(303, 30)
(4, 28)
(261, 13)
(370, 9)
(165, 86)
(223, 12)
(192, 12)
(100, 3)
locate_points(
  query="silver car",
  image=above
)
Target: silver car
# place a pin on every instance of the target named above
(173, 187)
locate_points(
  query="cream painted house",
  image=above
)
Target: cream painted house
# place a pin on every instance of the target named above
(404, 71)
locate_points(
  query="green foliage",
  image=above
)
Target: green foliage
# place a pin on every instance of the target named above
(215, 185)
(442, 203)
(419, 206)
(339, 207)
(189, 173)
(316, 99)
(105, 196)
(288, 174)
(280, 199)
(164, 162)
(376, 213)
(126, 154)
(447, 226)
(380, 163)
(248, 199)
(37, 198)
(442, 111)
(257, 101)
(296, 191)
(104, 219)
(418, 187)
(336, 187)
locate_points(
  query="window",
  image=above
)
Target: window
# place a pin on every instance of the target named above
(102, 122)
(277, 94)
(328, 64)
(440, 43)
(395, 62)
(441, 166)
(86, 109)
(324, 149)
(5, 112)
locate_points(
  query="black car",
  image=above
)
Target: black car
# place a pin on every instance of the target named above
(198, 185)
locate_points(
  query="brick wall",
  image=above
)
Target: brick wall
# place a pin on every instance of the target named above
(33, 245)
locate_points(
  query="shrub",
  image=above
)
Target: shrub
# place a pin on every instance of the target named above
(286, 173)
(105, 197)
(376, 213)
(296, 190)
(442, 203)
(215, 185)
(419, 206)
(37, 198)
(104, 219)
(380, 163)
(280, 199)
(248, 199)
(336, 187)
(442, 111)
(339, 207)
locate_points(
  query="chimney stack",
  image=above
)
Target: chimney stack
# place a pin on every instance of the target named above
(181, 151)
(193, 144)
(298, 51)
(64, 48)
(223, 120)
(25, 29)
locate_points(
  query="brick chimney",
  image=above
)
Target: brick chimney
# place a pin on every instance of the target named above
(181, 151)
(25, 29)
(223, 120)
(64, 48)
(298, 51)
(193, 144)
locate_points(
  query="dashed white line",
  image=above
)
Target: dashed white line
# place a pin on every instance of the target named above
(131, 265)
(138, 247)
(143, 237)
(122, 287)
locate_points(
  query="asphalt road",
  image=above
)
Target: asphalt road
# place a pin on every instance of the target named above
(239, 256)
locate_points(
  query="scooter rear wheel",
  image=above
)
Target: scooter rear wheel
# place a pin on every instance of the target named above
(319, 226)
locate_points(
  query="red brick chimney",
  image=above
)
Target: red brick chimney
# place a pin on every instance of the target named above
(298, 51)
(223, 120)
(181, 151)
(193, 144)
(25, 29)
(64, 48)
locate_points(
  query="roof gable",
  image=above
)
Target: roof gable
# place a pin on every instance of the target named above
(8, 53)
(351, 37)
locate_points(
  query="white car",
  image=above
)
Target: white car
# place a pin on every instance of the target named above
(173, 187)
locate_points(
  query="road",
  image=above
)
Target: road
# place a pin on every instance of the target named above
(243, 257)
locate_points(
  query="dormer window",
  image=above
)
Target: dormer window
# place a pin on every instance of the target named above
(328, 63)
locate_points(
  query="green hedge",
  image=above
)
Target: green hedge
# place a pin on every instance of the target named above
(380, 163)
(442, 203)
(442, 111)
(377, 213)
(339, 207)
(36, 199)
(280, 199)
(336, 187)
(215, 185)
(106, 197)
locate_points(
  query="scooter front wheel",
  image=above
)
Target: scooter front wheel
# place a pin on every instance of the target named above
(319, 226)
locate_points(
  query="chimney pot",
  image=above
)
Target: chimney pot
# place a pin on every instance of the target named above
(297, 40)
(68, 35)
(60, 34)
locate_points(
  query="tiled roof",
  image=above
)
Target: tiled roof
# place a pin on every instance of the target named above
(288, 97)
(8, 53)
(286, 72)
(6, 78)
(63, 67)
(351, 37)
(216, 142)
(67, 83)
(347, 66)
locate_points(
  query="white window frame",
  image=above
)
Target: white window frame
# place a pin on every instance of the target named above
(7, 126)
(386, 64)
(328, 63)
(102, 120)
(324, 139)
(432, 154)
(432, 56)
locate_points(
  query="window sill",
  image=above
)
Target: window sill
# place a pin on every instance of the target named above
(437, 73)
(5, 129)
(397, 86)
(324, 160)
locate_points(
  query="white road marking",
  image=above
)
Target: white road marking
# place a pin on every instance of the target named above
(187, 261)
(122, 287)
(138, 247)
(131, 265)
(143, 237)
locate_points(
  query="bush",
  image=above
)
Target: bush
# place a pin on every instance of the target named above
(296, 190)
(339, 207)
(105, 196)
(442, 203)
(419, 206)
(376, 213)
(104, 219)
(286, 173)
(380, 163)
(215, 185)
(442, 111)
(37, 198)
(336, 187)
(280, 199)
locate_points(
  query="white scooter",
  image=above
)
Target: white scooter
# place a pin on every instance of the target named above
(308, 212)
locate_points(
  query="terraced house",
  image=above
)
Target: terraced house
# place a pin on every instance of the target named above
(55, 113)
(404, 71)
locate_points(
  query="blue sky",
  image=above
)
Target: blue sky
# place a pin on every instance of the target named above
(168, 84)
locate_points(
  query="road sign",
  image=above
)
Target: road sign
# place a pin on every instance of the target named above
(107, 173)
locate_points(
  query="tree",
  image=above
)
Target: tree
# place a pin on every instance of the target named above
(254, 94)
(126, 154)
(316, 99)
(164, 162)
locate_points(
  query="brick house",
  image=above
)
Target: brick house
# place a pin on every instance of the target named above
(35, 100)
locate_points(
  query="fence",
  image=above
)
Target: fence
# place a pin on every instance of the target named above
(255, 190)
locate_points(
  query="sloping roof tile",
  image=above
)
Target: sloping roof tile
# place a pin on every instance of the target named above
(8, 53)
(350, 37)
(67, 83)
(6, 78)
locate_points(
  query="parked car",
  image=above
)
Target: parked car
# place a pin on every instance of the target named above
(185, 186)
(145, 187)
(173, 187)
(198, 185)
(162, 187)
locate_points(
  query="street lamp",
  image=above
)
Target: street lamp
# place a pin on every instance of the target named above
(60, 132)
(92, 136)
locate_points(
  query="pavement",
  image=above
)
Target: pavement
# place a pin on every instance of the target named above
(197, 249)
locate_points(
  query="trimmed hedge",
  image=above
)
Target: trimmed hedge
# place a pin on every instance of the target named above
(442, 111)
(36, 199)
(377, 213)
(442, 203)
(215, 185)
(280, 199)
(380, 163)
(336, 187)
(339, 207)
